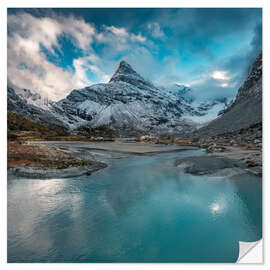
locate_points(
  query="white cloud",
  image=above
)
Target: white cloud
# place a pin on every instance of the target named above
(84, 64)
(138, 37)
(26, 35)
(93, 68)
(82, 32)
(220, 75)
(105, 78)
(118, 39)
(28, 66)
(80, 72)
(37, 73)
(117, 31)
(43, 30)
(155, 30)
(224, 84)
(198, 81)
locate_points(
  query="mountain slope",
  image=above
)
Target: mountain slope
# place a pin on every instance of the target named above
(127, 103)
(24, 106)
(245, 111)
(196, 110)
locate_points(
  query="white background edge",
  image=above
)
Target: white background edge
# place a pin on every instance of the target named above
(139, 3)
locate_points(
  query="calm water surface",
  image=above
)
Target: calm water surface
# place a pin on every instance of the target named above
(139, 209)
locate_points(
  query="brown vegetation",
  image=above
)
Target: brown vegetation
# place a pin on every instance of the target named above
(100, 131)
(186, 142)
(20, 128)
(41, 157)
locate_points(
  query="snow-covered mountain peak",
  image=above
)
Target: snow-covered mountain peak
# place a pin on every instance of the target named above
(124, 68)
(180, 91)
(125, 73)
(123, 64)
(31, 97)
(128, 104)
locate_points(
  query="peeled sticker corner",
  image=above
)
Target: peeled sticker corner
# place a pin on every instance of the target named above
(250, 252)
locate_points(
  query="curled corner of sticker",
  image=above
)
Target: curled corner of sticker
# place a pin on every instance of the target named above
(250, 252)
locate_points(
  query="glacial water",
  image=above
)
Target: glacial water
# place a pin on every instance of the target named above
(139, 209)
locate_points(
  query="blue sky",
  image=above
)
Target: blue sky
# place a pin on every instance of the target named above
(54, 51)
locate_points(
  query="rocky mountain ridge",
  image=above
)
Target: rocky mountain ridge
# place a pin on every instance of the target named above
(25, 106)
(128, 104)
(246, 109)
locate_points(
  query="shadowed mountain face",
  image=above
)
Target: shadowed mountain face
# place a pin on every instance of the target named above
(245, 111)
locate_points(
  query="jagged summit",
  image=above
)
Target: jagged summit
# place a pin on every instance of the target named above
(126, 73)
(124, 68)
(125, 65)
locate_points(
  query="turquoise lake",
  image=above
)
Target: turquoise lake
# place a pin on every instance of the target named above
(138, 209)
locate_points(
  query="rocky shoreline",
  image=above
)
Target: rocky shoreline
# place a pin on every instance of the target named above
(46, 160)
(43, 162)
(214, 165)
(49, 173)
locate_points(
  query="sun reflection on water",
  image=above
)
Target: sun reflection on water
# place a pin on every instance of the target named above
(218, 206)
